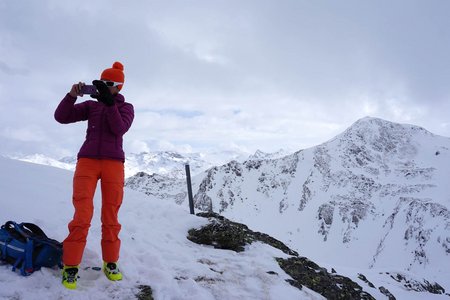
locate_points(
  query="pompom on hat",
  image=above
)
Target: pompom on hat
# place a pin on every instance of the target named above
(114, 74)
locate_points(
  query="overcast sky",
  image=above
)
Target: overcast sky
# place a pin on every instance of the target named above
(220, 75)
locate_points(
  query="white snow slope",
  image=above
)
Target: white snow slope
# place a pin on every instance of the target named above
(375, 196)
(378, 194)
(155, 250)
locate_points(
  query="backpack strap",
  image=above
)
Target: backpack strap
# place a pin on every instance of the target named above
(27, 259)
(15, 228)
(18, 261)
(9, 226)
(37, 234)
(27, 266)
(34, 229)
(3, 249)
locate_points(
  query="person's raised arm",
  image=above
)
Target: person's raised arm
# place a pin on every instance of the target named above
(69, 112)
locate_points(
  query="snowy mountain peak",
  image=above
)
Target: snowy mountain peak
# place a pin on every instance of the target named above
(375, 130)
(258, 155)
(374, 144)
(376, 192)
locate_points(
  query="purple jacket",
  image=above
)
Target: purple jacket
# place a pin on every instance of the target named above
(106, 125)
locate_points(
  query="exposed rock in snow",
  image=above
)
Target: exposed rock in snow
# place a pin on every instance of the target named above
(225, 234)
(260, 155)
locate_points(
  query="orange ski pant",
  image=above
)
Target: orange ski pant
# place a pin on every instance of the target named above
(87, 173)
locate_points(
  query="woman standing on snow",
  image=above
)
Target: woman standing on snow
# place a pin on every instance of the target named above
(101, 157)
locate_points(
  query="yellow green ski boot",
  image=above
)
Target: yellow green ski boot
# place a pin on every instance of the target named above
(69, 277)
(112, 271)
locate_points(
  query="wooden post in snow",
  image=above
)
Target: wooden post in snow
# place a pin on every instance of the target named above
(189, 188)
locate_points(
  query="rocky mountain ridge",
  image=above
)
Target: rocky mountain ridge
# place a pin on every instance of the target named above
(375, 196)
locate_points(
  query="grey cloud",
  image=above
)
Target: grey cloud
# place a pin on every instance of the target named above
(281, 64)
(8, 70)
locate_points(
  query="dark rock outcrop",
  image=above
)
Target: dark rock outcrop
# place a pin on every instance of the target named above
(387, 293)
(364, 278)
(145, 293)
(222, 233)
(331, 286)
(415, 285)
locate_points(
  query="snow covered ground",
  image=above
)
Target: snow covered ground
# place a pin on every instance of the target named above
(154, 251)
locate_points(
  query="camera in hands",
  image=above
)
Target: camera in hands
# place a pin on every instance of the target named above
(89, 90)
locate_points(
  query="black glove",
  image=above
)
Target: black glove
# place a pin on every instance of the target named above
(104, 95)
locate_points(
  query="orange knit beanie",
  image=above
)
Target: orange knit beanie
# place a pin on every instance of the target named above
(114, 74)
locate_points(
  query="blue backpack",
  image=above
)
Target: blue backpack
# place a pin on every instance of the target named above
(28, 248)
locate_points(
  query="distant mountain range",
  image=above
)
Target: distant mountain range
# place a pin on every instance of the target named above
(374, 196)
(166, 163)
